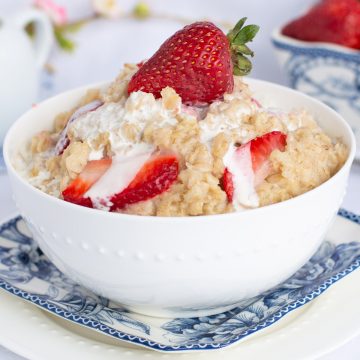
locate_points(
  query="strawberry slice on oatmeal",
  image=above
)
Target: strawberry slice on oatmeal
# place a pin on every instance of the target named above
(154, 177)
(248, 165)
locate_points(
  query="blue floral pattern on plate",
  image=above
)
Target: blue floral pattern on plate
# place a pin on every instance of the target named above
(27, 273)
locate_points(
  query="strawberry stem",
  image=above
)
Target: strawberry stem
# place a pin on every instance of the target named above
(238, 37)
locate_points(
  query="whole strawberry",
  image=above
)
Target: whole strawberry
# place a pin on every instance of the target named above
(334, 21)
(198, 62)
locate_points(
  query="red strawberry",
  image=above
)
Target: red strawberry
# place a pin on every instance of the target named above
(260, 150)
(78, 187)
(262, 147)
(227, 184)
(155, 177)
(334, 21)
(198, 62)
(63, 141)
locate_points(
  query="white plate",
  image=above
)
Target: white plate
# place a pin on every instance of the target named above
(27, 273)
(36, 334)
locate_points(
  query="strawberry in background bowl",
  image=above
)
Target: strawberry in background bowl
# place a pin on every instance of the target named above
(320, 54)
(332, 21)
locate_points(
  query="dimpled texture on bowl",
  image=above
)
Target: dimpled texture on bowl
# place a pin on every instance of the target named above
(180, 267)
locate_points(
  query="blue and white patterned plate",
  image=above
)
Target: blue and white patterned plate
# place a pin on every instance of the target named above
(27, 273)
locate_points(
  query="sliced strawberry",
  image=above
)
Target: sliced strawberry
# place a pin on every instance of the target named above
(82, 201)
(227, 184)
(198, 62)
(155, 177)
(262, 146)
(78, 187)
(63, 141)
(260, 150)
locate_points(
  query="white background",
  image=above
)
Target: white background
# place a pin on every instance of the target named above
(103, 46)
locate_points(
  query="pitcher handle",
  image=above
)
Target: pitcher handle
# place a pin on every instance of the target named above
(43, 33)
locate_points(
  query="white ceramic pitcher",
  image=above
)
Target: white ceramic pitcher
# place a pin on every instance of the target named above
(20, 61)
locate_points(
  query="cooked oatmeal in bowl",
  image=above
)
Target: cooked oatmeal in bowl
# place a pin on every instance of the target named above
(182, 134)
(228, 156)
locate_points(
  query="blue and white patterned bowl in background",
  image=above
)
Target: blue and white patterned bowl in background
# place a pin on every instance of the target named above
(328, 72)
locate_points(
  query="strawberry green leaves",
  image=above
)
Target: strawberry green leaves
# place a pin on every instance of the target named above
(238, 37)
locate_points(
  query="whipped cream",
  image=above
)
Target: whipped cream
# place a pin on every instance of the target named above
(240, 165)
(96, 154)
(138, 111)
(63, 139)
(142, 108)
(225, 117)
(106, 119)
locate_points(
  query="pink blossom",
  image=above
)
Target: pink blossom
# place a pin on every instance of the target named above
(56, 12)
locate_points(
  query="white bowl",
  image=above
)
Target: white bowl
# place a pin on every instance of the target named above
(328, 72)
(180, 266)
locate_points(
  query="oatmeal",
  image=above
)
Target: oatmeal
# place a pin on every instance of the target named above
(173, 137)
(132, 128)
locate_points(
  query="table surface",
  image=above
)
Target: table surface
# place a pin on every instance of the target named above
(76, 69)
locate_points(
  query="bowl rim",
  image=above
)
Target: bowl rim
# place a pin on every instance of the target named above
(277, 36)
(59, 202)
